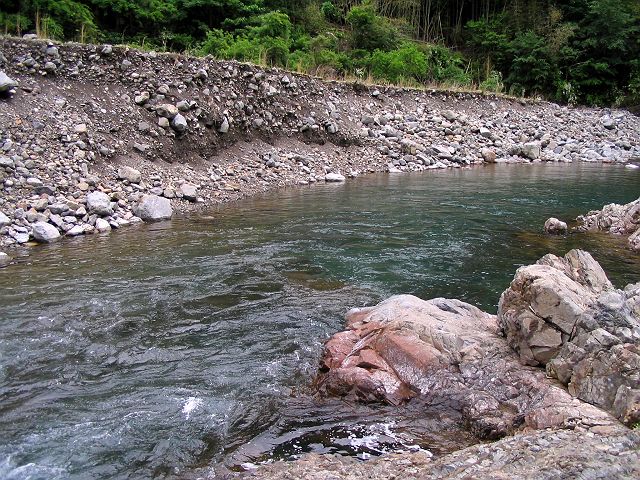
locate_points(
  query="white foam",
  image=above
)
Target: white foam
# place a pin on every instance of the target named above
(190, 405)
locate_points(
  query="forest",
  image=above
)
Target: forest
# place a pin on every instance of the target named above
(569, 51)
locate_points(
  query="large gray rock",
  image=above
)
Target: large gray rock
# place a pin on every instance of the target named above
(6, 83)
(450, 353)
(129, 174)
(334, 177)
(531, 150)
(563, 313)
(4, 259)
(45, 232)
(179, 123)
(4, 220)
(189, 192)
(99, 203)
(153, 208)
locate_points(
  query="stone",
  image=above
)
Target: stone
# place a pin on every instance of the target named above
(167, 110)
(489, 155)
(179, 123)
(102, 225)
(189, 192)
(564, 313)
(45, 232)
(75, 231)
(334, 177)
(531, 150)
(5, 260)
(4, 220)
(224, 126)
(6, 83)
(99, 203)
(553, 226)
(129, 174)
(153, 208)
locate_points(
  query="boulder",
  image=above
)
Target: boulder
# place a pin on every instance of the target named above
(189, 192)
(334, 177)
(179, 123)
(489, 155)
(445, 352)
(4, 259)
(167, 110)
(102, 225)
(153, 208)
(45, 232)
(129, 174)
(4, 220)
(553, 226)
(6, 83)
(531, 150)
(616, 219)
(99, 203)
(563, 313)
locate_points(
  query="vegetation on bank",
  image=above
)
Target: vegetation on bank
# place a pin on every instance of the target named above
(574, 51)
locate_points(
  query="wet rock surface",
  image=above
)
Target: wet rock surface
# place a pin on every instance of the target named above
(546, 454)
(79, 119)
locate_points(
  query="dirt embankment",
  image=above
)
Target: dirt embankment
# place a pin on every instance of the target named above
(87, 131)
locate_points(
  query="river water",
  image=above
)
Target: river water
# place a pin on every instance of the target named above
(162, 349)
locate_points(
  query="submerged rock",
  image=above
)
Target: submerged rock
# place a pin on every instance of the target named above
(553, 226)
(152, 208)
(563, 313)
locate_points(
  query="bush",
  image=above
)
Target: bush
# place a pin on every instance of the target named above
(405, 63)
(370, 31)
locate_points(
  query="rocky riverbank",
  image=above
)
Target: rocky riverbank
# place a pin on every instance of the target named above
(88, 133)
(615, 219)
(559, 421)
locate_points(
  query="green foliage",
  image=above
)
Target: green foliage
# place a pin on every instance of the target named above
(575, 51)
(493, 83)
(369, 30)
(407, 62)
(331, 12)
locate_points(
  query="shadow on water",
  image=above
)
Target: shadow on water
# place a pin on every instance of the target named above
(176, 345)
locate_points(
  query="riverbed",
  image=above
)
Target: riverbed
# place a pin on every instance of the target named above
(167, 348)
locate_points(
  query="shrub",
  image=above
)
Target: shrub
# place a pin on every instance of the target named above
(370, 31)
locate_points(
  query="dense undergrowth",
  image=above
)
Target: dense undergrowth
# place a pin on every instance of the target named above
(573, 51)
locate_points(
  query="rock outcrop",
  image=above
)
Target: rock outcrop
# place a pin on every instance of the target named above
(445, 351)
(615, 219)
(563, 313)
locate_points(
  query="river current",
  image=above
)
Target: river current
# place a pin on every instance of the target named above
(167, 348)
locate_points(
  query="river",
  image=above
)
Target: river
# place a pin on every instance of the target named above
(166, 348)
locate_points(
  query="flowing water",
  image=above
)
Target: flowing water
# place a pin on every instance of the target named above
(162, 349)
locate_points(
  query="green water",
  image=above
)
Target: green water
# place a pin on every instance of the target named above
(162, 349)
